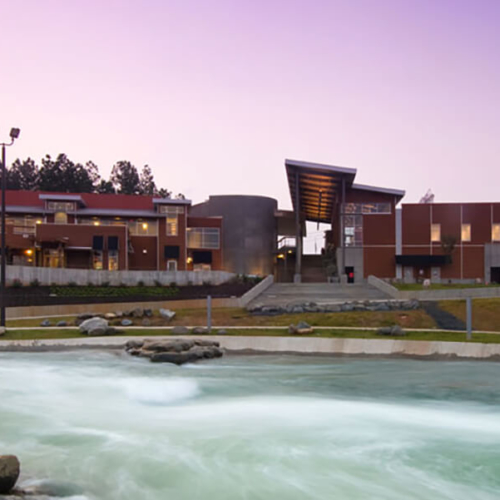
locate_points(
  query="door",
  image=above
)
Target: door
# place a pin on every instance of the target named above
(349, 271)
(495, 275)
(408, 274)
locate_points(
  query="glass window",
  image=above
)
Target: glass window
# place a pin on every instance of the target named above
(143, 228)
(203, 237)
(172, 225)
(97, 260)
(171, 265)
(495, 232)
(367, 208)
(60, 218)
(353, 230)
(435, 233)
(61, 206)
(113, 260)
(170, 210)
(466, 232)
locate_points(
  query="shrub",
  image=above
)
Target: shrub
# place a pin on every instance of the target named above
(16, 284)
(72, 283)
(173, 284)
(105, 284)
(207, 283)
(140, 283)
(158, 283)
(34, 283)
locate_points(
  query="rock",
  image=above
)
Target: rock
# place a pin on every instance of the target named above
(146, 322)
(62, 323)
(200, 330)
(148, 313)
(180, 330)
(127, 322)
(119, 314)
(167, 314)
(86, 315)
(333, 308)
(392, 331)
(385, 330)
(9, 472)
(297, 309)
(426, 283)
(94, 326)
(222, 332)
(134, 344)
(347, 307)
(110, 316)
(302, 328)
(383, 306)
(138, 312)
(45, 322)
(2, 330)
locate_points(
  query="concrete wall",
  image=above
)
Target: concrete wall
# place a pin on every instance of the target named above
(293, 345)
(49, 276)
(249, 231)
(256, 291)
(491, 259)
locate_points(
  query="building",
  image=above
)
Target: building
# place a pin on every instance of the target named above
(107, 231)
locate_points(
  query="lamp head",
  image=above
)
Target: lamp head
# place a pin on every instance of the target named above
(14, 133)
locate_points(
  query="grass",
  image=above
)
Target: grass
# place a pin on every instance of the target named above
(404, 287)
(485, 312)
(241, 317)
(40, 334)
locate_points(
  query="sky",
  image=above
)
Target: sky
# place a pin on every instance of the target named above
(214, 95)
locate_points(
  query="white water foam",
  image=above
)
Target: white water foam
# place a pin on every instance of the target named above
(160, 391)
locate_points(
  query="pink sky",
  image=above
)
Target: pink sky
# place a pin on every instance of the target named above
(214, 95)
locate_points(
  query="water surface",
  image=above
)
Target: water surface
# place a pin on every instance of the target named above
(108, 426)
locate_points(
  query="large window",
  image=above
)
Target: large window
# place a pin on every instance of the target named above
(172, 225)
(353, 230)
(466, 232)
(113, 260)
(367, 208)
(61, 206)
(22, 225)
(170, 210)
(203, 237)
(60, 218)
(97, 260)
(143, 228)
(495, 232)
(435, 233)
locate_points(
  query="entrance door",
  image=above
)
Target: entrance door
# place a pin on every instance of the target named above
(52, 258)
(408, 275)
(349, 271)
(495, 275)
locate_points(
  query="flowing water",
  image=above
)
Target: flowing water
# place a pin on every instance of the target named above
(108, 426)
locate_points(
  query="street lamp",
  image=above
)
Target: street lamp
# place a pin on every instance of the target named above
(14, 134)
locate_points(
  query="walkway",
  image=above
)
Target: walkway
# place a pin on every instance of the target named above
(281, 294)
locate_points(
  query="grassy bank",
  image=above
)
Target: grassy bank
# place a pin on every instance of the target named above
(417, 287)
(485, 312)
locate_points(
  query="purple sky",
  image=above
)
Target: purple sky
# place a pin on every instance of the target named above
(213, 95)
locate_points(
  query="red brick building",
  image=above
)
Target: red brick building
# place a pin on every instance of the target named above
(112, 232)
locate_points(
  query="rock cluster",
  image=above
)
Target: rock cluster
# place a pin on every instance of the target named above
(307, 307)
(9, 472)
(301, 328)
(391, 331)
(174, 351)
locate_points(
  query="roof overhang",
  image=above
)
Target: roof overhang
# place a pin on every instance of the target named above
(63, 197)
(171, 201)
(319, 187)
(398, 193)
(423, 260)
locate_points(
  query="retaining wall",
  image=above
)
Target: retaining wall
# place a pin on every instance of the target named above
(59, 276)
(293, 345)
(258, 289)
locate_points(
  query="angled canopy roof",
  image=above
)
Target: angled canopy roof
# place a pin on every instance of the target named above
(319, 186)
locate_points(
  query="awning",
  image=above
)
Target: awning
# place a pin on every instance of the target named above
(319, 187)
(423, 260)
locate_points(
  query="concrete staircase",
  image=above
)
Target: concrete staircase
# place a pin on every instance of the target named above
(280, 294)
(313, 270)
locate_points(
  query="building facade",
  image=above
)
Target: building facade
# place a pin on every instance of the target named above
(111, 232)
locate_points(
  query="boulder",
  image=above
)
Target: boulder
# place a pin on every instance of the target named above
(94, 326)
(222, 332)
(301, 328)
(2, 330)
(62, 323)
(134, 344)
(127, 322)
(200, 330)
(110, 316)
(84, 316)
(167, 314)
(45, 322)
(146, 322)
(119, 314)
(180, 330)
(138, 312)
(9, 472)
(391, 331)
(382, 306)
(148, 313)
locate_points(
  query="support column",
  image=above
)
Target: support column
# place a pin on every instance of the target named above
(342, 275)
(297, 278)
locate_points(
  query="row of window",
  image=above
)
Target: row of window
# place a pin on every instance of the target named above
(70, 206)
(466, 233)
(367, 208)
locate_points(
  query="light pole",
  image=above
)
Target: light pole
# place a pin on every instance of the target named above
(14, 134)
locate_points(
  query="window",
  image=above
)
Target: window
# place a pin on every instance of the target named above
(60, 218)
(61, 206)
(172, 225)
(113, 260)
(170, 210)
(171, 265)
(367, 208)
(97, 260)
(435, 233)
(353, 230)
(495, 232)
(143, 228)
(203, 237)
(466, 232)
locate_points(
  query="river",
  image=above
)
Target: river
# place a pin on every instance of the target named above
(102, 425)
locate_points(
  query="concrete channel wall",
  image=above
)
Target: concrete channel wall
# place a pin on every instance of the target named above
(444, 294)
(288, 345)
(82, 277)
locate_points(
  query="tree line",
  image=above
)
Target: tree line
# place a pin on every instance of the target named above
(64, 176)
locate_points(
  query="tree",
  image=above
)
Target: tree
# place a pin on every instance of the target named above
(23, 175)
(125, 178)
(147, 183)
(105, 187)
(62, 175)
(164, 193)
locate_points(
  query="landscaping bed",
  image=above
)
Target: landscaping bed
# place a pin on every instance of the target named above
(54, 295)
